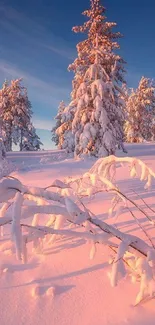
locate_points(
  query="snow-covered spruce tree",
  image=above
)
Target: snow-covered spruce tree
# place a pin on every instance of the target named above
(6, 116)
(31, 141)
(58, 118)
(99, 116)
(23, 112)
(15, 112)
(101, 41)
(141, 112)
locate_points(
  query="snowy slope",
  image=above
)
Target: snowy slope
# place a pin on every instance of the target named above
(63, 286)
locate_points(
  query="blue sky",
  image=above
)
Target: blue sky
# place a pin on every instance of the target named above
(36, 43)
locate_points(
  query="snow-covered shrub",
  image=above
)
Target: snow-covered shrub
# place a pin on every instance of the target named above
(58, 156)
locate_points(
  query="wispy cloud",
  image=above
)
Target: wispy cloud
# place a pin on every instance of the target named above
(66, 52)
(35, 33)
(46, 92)
(42, 124)
(30, 50)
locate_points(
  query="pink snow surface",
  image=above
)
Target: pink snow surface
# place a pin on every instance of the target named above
(63, 286)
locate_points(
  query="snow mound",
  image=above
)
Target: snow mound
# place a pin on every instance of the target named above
(60, 156)
(36, 292)
(50, 291)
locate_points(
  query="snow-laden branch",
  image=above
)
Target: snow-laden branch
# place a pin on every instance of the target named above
(72, 213)
(9, 187)
(102, 167)
(70, 233)
(3, 210)
(141, 268)
(110, 232)
(28, 211)
(65, 211)
(100, 178)
(133, 241)
(36, 191)
(16, 227)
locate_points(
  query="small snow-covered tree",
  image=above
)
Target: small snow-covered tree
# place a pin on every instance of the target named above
(31, 141)
(58, 118)
(64, 131)
(141, 112)
(111, 66)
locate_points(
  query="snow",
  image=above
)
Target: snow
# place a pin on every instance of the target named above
(67, 282)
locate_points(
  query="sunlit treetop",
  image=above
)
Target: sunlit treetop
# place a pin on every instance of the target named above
(107, 41)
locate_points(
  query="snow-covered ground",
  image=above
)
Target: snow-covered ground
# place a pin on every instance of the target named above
(63, 286)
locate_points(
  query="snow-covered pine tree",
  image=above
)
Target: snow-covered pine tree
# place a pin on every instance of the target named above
(58, 118)
(112, 64)
(141, 112)
(15, 112)
(31, 141)
(99, 116)
(6, 116)
(21, 107)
